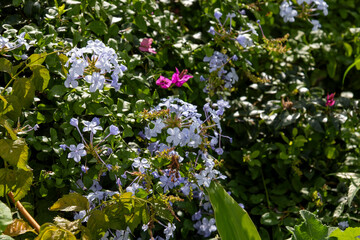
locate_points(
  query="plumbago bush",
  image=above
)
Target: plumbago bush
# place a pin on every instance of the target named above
(179, 119)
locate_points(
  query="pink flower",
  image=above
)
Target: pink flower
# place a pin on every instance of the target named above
(163, 82)
(145, 45)
(330, 100)
(180, 78)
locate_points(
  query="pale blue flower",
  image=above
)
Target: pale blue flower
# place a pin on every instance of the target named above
(169, 231)
(92, 126)
(77, 152)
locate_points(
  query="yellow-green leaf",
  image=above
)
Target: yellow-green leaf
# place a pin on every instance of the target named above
(71, 202)
(15, 152)
(40, 77)
(5, 216)
(24, 89)
(36, 59)
(5, 65)
(49, 231)
(232, 221)
(7, 126)
(98, 224)
(17, 181)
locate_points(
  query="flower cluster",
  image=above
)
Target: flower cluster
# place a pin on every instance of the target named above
(6, 45)
(306, 8)
(82, 149)
(243, 37)
(184, 126)
(96, 64)
(220, 76)
(178, 79)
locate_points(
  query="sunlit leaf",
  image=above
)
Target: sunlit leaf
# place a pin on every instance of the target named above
(24, 89)
(15, 152)
(349, 233)
(49, 231)
(17, 181)
(71, 202)
(232, 221)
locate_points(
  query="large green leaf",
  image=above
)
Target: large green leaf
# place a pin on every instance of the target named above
(36, 59)
(311, 228)
(5, 216)
(17, 181)
(24, 89)
(15, 152)
(5, 65)
(49, 231)
(98, 224)
(71, 202)
(232, 221)
(98, 27)
(40, 77)
(349, 233)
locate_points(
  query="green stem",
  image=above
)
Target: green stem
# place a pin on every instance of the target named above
(266, 192)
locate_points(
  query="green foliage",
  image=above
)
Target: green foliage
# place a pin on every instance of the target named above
(5, 216)
(71, 202)
(232, 221)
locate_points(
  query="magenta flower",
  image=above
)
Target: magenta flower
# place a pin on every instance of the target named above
(330, 100)
(145, 45)
(180, 78)
(163, 82)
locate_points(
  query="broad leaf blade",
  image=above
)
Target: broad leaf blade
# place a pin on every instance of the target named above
(311, 228)
(349, 233)
(15, 152)
(71, 202)
(17, 181)
(18, 227)
(5, 216)
(232, 221)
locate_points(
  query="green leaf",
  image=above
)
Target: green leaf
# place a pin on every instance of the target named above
(15, 152)
(348, 69)
(140, 22)
(8, 127)
(353, 189)
(18, 181)
(36, 59)
(98, 224)
(162, 210)
(40, 77)
(24, 89)
(331, 68)
(188, 87)
(311, 228)
(232, 221)
(13, 110)
(349, 233)
(71, 202)
(5, 66)
(98, 27)
(5, 216)
(49, 231)
(269, 218)
(348, 49)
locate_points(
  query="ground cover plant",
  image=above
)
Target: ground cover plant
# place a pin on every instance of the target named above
(179, 119)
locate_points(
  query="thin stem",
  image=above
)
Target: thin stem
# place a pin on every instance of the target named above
(24, 212)
(266, 192)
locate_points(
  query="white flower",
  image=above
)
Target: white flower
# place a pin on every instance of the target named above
(169, 230)
(287, 12)
(92, 126)
(141, 164)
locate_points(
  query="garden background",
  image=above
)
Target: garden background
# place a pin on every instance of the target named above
(167, 119)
